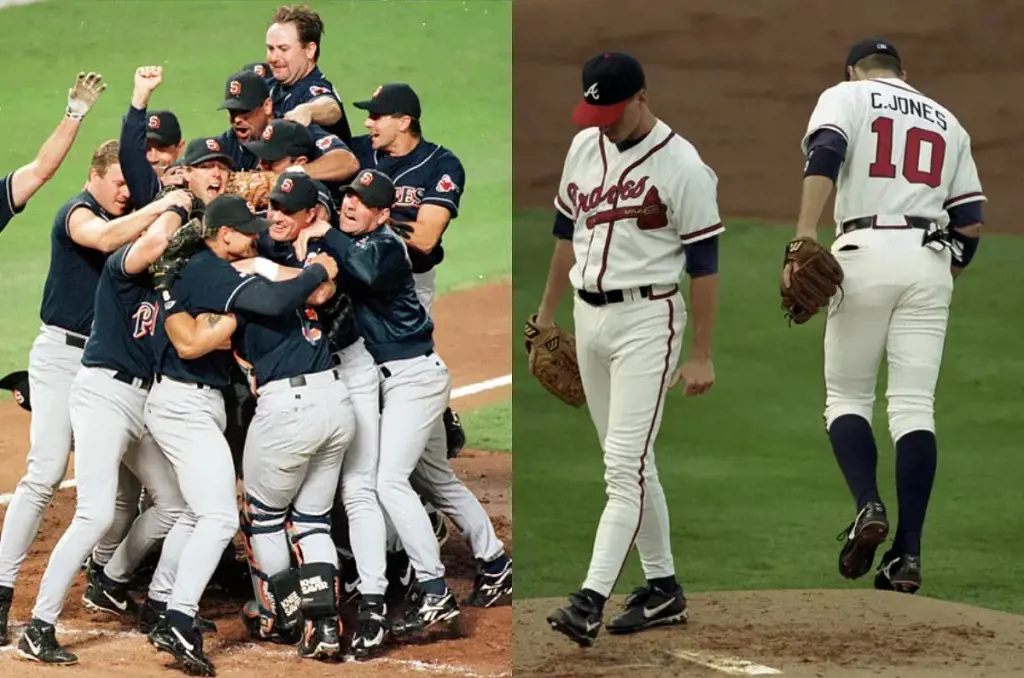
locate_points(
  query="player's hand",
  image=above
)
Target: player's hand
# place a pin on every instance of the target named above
(327, 261)
(322, 294)
(173, 176)
(543, 319)
(314, 232)
(697, 375)
(147, 79)
(179, 198)
(83, 95)
(300, 114)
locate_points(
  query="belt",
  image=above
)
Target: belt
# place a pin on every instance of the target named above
(611, 296)
(387, 373)
(870, 222)
(125, 378)
(72, 340)
(299, 381)
(160, 378)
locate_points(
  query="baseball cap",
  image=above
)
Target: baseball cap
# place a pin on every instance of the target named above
(205, 148)
(283, 138)
(393, 98)
(260, 68)
(374, 188)
(868, 47)
(245, 91)
(294, 191)
(17, 383)
(233, 211)
(163, 128)
(610, 79)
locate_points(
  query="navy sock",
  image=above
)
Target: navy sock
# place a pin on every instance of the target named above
(595, 597)
(434, 587)
(157, 605)
(107, 581)
(854, 447)
(496, 565)
(180, 621)
(666, 584)
(916, 460)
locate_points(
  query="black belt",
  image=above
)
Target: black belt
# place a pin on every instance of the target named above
(72, 340)
(387, 373)
(160, 378)
(870, 222)
(609, 297)
(296, 382)
(125, 378)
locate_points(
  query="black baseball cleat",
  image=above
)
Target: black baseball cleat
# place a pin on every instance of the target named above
(428, 611)
(580, 620)
(371, 628)
(38, 643)
(900, 573)
(649, 606)
(321, 639)
(490, 587)
(263, 628)
(440, 526)
(400, 575)
(6, 596)
(186, 648)
(861, 539)
(100, 596)
(454, 434)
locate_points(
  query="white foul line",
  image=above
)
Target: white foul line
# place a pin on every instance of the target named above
(729, 665)
(461, 392)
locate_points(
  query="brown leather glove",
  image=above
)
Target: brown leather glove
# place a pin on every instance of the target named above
(254, 186)
(552, 360)
(814, 278)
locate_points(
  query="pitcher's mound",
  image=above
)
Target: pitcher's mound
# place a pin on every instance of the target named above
(807, 633)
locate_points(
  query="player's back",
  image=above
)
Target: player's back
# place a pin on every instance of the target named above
(907, 155)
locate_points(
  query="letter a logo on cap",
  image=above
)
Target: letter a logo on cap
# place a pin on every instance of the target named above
(235, 88)
(591, 93)
(366, 179)
(376, 92)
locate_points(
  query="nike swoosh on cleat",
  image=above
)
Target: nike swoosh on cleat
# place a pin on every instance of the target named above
(592, 625)
(119, 604)
(650, 612)
(349, 588)
(32, 646)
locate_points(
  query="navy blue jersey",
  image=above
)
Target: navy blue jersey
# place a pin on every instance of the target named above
(126, 318)
(313, 86)
(244, 158)
(429, 175)
(212, 369)
(336, 312)
(7, 208)
(389, 315)
(143, 183)
(70, 287)
(282, 347)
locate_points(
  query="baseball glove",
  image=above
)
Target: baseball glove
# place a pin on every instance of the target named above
(254, 186)
(552, 360)
(814, 278)
(195, 211)
(183, 244)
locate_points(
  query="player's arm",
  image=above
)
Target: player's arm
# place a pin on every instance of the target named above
(153, 242)
(263, 297)
(440, 204)
(964, 208)
(274, 272)
(562, 261)
(826, 152)
(195, 337)
(143, 183)
(336, 161)
(323, 110)
(89, 230)
(27, 180)
(380, 263)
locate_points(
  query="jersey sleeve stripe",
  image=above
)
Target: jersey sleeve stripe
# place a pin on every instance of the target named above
(71, 210)
(964, 198)
(703, 233)
(231, 297)
(9, 184)
(562, 207)
(124, 258)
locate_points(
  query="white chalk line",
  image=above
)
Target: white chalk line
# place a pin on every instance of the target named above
(461, 392)
(728, 665)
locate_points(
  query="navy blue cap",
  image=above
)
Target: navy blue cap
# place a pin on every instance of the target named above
(869, 47)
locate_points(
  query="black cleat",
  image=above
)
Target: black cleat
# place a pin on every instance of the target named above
(102, 597)
(349, 592)
(900, 573)
(321, 639)
(580, 620)
(263, 628)
(428, 611)
(861, 539)
(187, 648)
(6, 596)
(400, 575)
(647, 607)
(489, 588)
(454, 433)
(38, 643)
(371, 629)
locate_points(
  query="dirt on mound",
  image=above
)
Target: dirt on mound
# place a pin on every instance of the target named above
(812, 633)
(739, 80)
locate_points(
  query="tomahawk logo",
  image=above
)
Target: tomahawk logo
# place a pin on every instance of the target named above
(592, 93)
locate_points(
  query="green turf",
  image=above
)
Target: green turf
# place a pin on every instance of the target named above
(755, 495)
(489, 428)
(456, 54)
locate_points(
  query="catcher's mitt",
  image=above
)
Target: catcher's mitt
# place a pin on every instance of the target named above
(195, 211)
(254, 186)
(182, 246)
(552, 360)
(814, 278)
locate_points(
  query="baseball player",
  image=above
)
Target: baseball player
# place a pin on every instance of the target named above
(299, 90)
(106, 402)
(151, 142)
(636, 206)
(908, 215)
(85, 229)
(20, 185)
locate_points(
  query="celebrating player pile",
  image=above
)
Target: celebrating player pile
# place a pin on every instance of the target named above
(198, 283)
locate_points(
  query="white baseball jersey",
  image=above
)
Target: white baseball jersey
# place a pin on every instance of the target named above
(906, 155)
(633, 211)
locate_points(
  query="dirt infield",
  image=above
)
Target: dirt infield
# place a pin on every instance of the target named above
(739, 79)
(108, 648)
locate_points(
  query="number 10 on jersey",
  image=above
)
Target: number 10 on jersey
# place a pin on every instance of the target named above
(883, 166)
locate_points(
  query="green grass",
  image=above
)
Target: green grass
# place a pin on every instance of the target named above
(457, 55)
(755, 496)
(489, 428)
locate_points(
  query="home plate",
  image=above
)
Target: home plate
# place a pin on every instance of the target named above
(729, 665)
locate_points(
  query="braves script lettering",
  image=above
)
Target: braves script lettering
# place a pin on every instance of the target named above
(588, 202)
